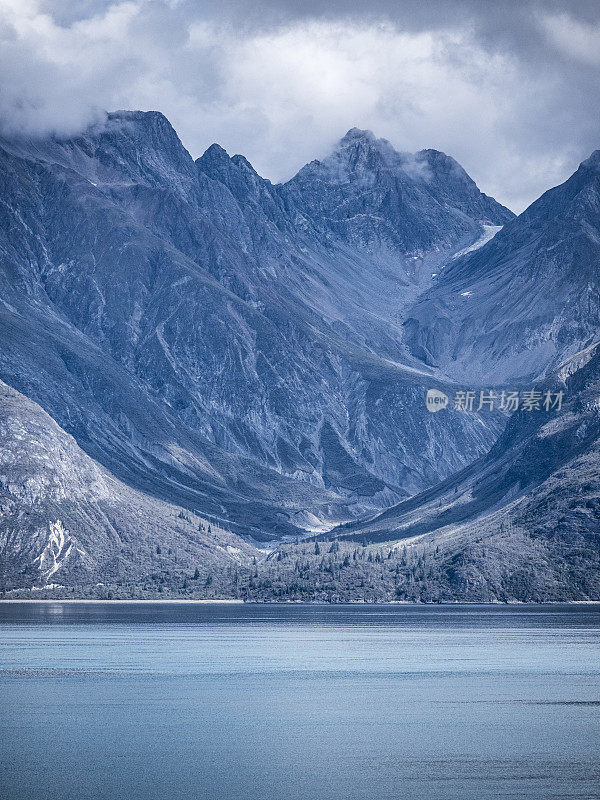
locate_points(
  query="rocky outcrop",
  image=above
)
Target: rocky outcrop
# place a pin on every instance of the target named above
(64, 519)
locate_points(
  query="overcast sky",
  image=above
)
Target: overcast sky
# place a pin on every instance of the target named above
(511, 89)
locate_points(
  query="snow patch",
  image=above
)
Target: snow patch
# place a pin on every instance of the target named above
(56, 551)
(489, 231)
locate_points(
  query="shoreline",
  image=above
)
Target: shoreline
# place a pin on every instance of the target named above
(174, 600)
(235, 601)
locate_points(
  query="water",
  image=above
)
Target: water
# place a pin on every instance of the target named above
(232, 702)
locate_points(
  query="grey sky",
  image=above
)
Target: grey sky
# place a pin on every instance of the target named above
(510, 89)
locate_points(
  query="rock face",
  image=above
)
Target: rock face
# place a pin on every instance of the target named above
(228, 345)
(367, 193)
(65, 519)
(516, 308)
(523, 522)
(206, 345)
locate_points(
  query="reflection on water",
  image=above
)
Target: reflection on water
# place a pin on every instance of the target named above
(230, 702)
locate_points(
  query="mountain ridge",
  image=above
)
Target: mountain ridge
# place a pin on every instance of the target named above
(234, 229)
(535, 284)
(257, 354)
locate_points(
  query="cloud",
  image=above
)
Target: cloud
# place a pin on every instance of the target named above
(577, 40)
(281, 86)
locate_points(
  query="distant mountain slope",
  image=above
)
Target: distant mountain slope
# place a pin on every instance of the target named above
(529, 510)
(66, 520)
(210, 339)
(517, 307)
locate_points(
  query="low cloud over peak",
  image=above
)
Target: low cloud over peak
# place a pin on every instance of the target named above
(511, 96)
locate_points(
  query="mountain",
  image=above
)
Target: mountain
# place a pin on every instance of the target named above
(221, 343)
(186, 344)
(520, 524)
(65, 519)
(514, 309)
(523, 522)
(367, 193)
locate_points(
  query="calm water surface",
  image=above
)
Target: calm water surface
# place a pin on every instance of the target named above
(241, 702)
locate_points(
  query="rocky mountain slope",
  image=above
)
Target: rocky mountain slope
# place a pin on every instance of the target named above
(516, 308)
(66, 520)
(368, 193)
(220, 342)
(528, 511)
(212, 349)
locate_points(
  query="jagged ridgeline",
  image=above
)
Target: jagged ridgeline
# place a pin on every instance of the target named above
(221, 351)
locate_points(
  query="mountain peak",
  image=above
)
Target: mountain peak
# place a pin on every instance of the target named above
(442, 167)
(148, 137)
(218, 163)
(364, 141)
(593, 162)
(214, 154)
(358, 134)
(148, 121)
(243, 163)
(437, 157)
(361, 152)
(139, 116)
